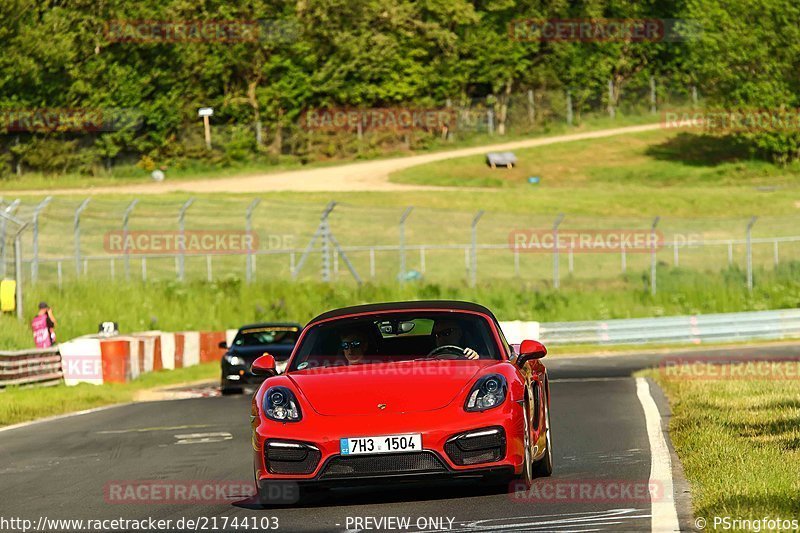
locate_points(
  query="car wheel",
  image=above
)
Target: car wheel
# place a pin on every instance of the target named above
(527, 466)
(524, 480)
(544, 466)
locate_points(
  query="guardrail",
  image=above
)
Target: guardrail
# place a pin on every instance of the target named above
(696, 329)
(30, 366)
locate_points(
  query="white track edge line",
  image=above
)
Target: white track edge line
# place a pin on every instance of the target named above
(662, 507)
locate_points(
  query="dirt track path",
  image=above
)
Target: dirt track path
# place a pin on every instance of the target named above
(362, 176)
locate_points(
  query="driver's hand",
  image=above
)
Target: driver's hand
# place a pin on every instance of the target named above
(469, 353)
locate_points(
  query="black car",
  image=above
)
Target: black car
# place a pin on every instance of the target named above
(252, 341)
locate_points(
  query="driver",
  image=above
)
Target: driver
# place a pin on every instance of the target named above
(354, 345)
(449, 331)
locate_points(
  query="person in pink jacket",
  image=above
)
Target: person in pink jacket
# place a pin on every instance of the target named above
(43, 326)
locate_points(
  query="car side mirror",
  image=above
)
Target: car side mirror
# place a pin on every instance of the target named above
(264, 366)
(530, 350)
(223, 345)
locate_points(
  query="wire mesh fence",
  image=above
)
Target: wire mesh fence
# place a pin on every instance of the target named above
(236, 138)
(168, 238)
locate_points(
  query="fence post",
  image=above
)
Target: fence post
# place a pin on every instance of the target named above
(730, 253)
(750, 253)
(249, 233)
(182, 242)
(326, 240)
(125, 217)
(653, 256)
(18, 267)
(775, 252)
(652, 95)
(9, 210)
(35, 263)
(623, 259)
(17, 259)
(556, 223)
(694, 96)
(77, 232)
(675, 256)
(569, 107)
(531, 108)
(611, 110)
(473, 274)
(402, 230)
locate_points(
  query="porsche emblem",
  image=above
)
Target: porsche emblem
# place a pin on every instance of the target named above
(381, 406)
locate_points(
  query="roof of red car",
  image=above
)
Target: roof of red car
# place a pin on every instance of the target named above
(454, 305)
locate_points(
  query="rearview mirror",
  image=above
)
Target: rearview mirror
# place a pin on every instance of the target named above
(530, 350)
(264, 366)
(223, 345)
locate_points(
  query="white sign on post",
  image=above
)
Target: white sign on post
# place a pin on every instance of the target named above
(206, 112)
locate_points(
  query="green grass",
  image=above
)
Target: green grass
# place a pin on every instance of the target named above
(739, 443)
(196, 169)
(20, 404)
(667, 172)
(228, 303)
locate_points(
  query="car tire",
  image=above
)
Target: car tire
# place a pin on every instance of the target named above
(226, 389)
(522, 482)
(544, 466)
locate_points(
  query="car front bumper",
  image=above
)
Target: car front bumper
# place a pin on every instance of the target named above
(444, 433)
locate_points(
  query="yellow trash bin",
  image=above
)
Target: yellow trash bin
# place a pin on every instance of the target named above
(8, 289)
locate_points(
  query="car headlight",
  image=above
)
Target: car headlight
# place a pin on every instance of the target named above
(488, 392)
(235, 360)
(281, 405)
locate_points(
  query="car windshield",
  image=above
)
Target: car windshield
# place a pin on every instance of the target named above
(390, 337)
(267, 335)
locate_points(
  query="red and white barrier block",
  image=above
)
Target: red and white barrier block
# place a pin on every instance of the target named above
(97, 359)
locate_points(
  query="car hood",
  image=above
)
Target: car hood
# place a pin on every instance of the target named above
(280, 352)
(404, 387)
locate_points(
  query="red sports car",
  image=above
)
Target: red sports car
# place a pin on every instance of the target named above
(404, 391)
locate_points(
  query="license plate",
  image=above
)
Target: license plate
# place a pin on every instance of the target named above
(383, 444)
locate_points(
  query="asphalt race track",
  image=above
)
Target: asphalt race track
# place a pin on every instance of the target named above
(62, 469)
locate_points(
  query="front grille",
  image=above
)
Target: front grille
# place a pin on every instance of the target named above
(466, 449)
(297, 459)
(383, 464)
